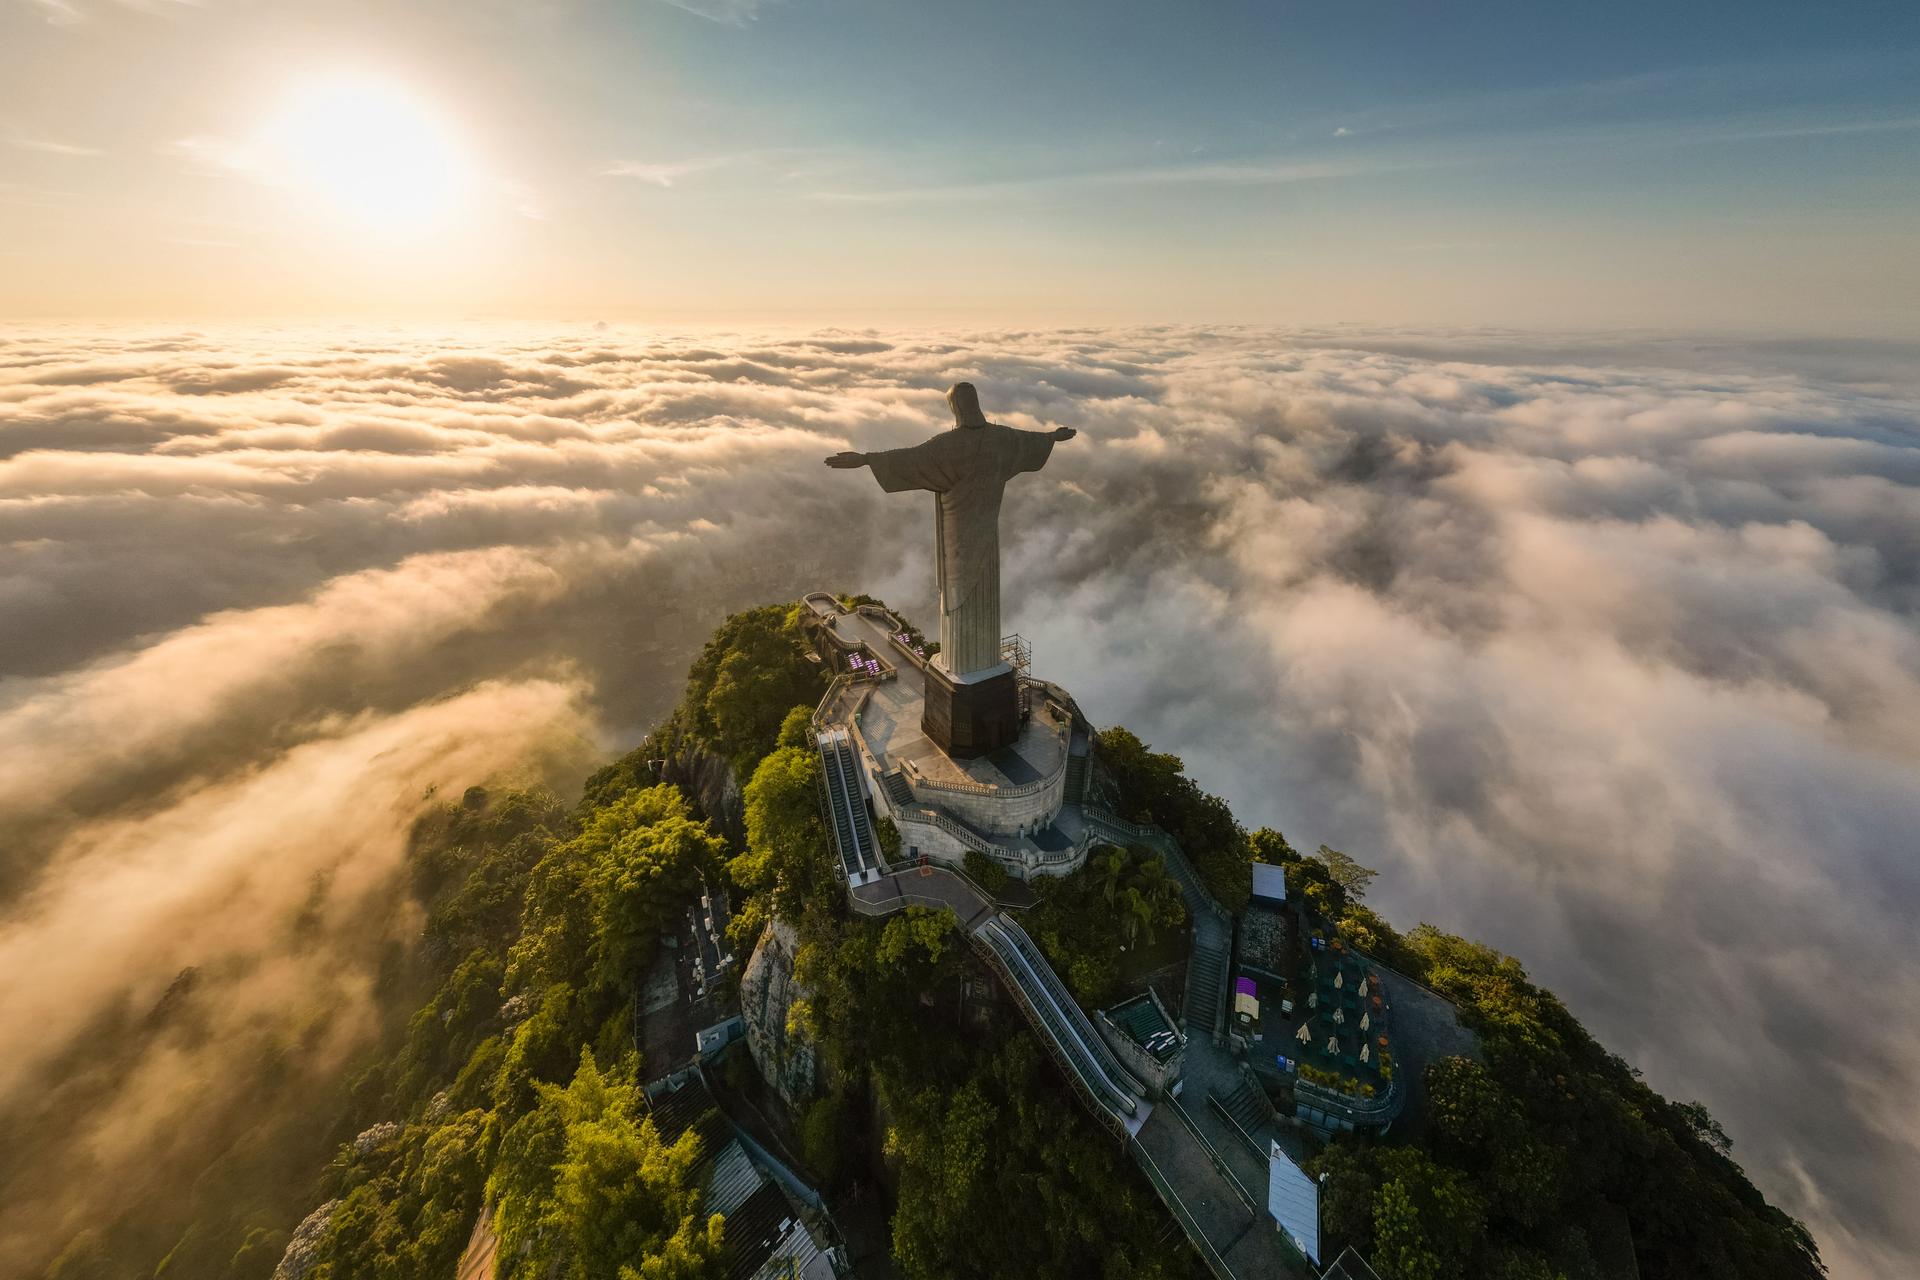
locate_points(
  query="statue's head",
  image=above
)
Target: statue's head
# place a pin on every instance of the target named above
(965, 403)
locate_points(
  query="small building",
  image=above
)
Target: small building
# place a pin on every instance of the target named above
(1143, 1037)
(1293, 1200)
(1269, 884)
(766, 1233)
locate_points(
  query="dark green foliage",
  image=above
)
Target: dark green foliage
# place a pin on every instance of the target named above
(407, 1204)
(888, 834)
(585, 1189)
(984, 871)
(1121, 898)
(826, 1131)
(1154, 788)
(1548, 1149)
(564, 918)
(742, 686)
(786, 869)
(1000, 1173)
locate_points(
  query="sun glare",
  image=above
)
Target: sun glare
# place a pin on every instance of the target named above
(371, 150)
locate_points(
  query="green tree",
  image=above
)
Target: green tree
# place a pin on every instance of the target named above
(743, 685)
(585, 1189)
(1347, 873)
(639, 887)
(1427, 1219)
(1154, 788)
(787, 858)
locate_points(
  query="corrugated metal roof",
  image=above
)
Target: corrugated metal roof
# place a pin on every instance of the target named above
(1294, 1201)
(756, 1229)
(1269, 882)
(733, 1179)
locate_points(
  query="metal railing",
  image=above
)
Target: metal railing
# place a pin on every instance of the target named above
(1054, 1034)
(1013, 791)
(1219, 1162)
(1171, 1198)
(1352, 1107)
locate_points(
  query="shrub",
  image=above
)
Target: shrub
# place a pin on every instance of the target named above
(985, 871)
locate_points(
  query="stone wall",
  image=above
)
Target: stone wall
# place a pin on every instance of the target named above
(1158, 1076)
(995, 810)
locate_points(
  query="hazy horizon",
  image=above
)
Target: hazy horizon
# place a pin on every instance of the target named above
(1721, 167)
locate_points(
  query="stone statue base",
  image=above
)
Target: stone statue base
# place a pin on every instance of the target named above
(967, 720)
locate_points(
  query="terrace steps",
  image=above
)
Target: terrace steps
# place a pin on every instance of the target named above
(1206, 973)
(1076, 785)
(1247, 1108)
(899, 790)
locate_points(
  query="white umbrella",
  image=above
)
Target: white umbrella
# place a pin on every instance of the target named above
(1305, 1033)
(1333, 1046)
(1366, 1021)
(1365, 1053)
(1339, 980)
(1339, 1016)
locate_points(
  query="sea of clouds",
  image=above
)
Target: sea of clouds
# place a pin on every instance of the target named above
(1603, 651)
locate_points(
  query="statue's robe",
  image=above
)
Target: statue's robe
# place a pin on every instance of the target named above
(967, 469)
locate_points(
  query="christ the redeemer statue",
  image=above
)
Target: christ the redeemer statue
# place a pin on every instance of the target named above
(967, 470)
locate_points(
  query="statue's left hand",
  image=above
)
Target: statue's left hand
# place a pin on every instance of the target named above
(1064, 433)
(846, 460)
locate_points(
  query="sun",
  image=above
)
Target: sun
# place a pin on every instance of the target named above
(374, 152)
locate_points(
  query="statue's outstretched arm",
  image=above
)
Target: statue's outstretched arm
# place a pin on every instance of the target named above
(847, 460)
(1064, 433)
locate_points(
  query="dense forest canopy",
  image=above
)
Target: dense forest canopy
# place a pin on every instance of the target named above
(514, 1081)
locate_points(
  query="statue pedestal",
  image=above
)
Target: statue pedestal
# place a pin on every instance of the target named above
(971, 719)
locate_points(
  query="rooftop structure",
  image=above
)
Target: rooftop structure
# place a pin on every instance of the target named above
(1143, 1022)
(1267, 941)
(1293, 1199)
(1269, 884)
(765, 1234)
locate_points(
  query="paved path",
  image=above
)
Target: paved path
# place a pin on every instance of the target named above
(1212, 1185)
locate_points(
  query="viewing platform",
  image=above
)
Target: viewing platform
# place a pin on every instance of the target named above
(1020, 804)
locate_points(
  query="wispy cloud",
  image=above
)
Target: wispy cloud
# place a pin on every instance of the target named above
(661, 173)
(211, 154)
(731, 13)
(47, 146)
(67, 13)
(1248, 173)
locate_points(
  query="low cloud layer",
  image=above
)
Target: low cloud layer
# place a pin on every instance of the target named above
(1603, 653)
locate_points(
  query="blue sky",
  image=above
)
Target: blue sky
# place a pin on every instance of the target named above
(1710, 166)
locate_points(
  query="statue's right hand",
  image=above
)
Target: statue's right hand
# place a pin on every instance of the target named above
(847, 461)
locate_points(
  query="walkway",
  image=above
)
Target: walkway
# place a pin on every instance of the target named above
(1208, 1068)
(1217, 1203)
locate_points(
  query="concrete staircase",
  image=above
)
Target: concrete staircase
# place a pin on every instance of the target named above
(1206, 975)
(1076, 784)
(899, 790)
(1247, 1110)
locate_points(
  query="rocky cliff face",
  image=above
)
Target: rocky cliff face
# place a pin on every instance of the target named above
(715, 790)
(767, 991)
